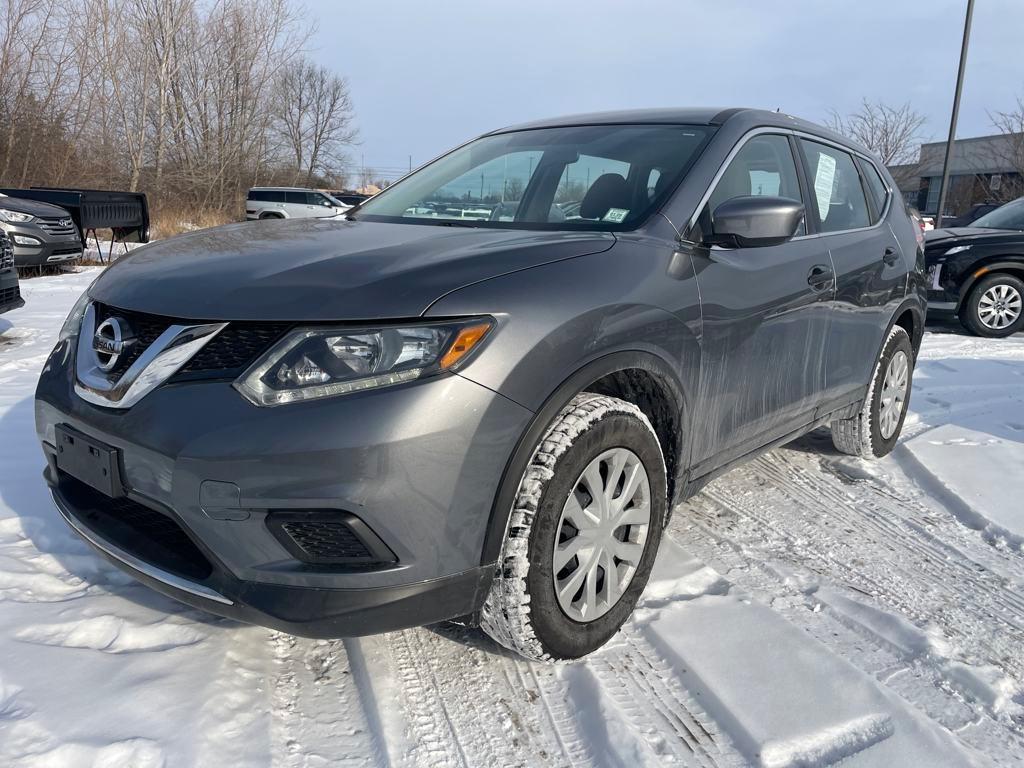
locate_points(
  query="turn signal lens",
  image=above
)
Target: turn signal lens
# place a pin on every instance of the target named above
(466, 339)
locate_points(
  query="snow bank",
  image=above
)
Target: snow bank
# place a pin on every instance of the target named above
(984, 473)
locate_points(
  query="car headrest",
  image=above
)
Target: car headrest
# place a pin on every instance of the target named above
(609, 191)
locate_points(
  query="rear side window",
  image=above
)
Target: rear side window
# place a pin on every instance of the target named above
(266, 195)
(836, 188)
(876, 187)
(296, 197)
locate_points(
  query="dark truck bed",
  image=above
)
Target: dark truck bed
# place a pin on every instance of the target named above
(126, 213)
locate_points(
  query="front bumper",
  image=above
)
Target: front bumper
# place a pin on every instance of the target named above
(51, 249)
(10, 295)
(419, 464)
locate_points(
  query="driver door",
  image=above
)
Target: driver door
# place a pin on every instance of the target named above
(766, 314)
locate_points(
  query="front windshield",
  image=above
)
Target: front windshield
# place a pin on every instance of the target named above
(597, 177)
(1009, 216)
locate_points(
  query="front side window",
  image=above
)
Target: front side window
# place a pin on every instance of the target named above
(578, 177)
(763, 166)
(836, 188)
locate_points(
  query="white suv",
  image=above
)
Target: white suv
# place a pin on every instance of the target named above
(291, 203)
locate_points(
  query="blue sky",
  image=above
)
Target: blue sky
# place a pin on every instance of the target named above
(428, 75)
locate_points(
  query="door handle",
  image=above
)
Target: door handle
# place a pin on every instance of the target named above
(820, 277)
(890, 257)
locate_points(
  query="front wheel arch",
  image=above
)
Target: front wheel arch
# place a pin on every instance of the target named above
(980, 271)
(580, 381)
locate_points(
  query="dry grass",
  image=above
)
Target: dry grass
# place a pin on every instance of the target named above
(167, 222)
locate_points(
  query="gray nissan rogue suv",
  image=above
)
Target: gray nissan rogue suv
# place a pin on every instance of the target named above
(337, 428)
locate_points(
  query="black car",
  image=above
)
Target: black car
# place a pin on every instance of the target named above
(967, 219)
(977, 272)
(10, 294)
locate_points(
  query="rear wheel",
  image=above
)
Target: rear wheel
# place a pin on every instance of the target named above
(995, 306)
(264, 216)
(583, 534)
(873, 432)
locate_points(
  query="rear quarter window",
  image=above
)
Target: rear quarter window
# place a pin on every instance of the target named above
(876, 187)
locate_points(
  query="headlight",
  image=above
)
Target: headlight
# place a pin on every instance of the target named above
(15, 217)
(317, 362)
(957, 249)
(74, 321)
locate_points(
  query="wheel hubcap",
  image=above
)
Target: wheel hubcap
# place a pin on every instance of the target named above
(601, 534)
(894, 394)
(999, 306)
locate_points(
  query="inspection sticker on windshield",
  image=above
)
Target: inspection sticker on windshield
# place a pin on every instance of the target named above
(616, 215)
(824, 178)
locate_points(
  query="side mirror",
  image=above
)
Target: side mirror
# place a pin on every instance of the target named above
(753, 221)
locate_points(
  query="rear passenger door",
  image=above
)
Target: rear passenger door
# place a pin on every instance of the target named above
(871, 274)
(765, 318)
(299, 205)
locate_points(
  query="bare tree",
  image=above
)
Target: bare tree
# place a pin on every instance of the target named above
(315, 118)
(894, 133)
(1009, 151)
(191, 101)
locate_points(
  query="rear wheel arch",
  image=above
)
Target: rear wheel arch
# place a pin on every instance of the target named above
(640, 378)
(910, 316)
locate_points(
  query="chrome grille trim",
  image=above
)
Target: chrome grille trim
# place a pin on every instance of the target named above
(172, 349)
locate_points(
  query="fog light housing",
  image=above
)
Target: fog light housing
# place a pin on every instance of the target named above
(31, 242)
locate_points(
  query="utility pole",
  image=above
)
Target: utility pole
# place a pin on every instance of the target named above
(944, 186)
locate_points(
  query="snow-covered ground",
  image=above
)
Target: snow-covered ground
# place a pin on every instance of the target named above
(807, 608)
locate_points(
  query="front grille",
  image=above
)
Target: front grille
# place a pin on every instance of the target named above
(226, 355)
(6, 253)
(53, 226)
(66, 251)
(235, 348)
(9, 296)
(142, 532)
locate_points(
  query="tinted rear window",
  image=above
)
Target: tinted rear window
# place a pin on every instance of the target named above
(876, 186)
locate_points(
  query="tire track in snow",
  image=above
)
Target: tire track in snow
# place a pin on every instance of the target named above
(917, 680)
(561, 719)
(836, 532)
(780, 510)
(645, 688)
(318, 716)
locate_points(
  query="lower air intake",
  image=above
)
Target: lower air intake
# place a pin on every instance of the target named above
(329, 538)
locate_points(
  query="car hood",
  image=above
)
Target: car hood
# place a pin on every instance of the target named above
(308, 270)
(31, 207)
(970, 235)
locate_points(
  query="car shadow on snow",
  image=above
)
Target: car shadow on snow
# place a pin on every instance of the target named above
(24, 492)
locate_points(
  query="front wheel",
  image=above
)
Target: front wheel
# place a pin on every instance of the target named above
(583, 534)
(995, 306)
(873, 432)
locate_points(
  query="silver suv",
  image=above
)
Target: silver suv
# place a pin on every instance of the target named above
(291, 203)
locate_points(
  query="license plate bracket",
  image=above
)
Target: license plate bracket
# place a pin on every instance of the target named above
(96, 464)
